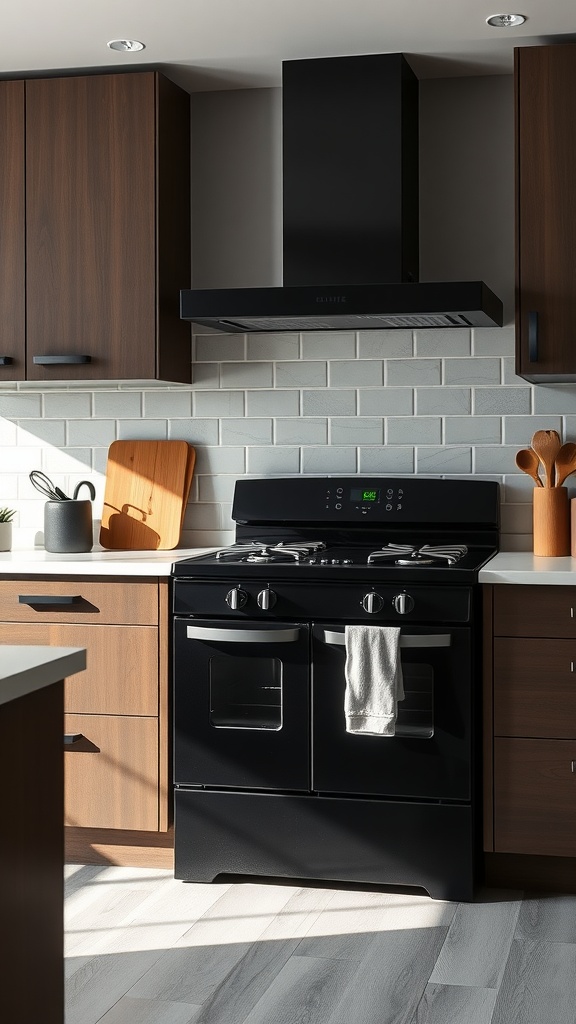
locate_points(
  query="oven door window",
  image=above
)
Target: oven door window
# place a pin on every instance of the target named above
(416, 711)
(250, 701)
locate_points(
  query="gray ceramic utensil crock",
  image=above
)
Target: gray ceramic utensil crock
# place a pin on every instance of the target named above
(68, 524)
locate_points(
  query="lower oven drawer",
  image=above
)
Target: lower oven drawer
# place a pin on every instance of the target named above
(379, 842)
(430, 755)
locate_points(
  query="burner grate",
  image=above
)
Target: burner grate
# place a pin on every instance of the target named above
(257, 551)
(426, 554)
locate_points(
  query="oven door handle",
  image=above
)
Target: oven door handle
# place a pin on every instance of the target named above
(424, 640)
(243, 636)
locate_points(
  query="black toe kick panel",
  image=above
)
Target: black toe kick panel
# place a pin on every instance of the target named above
(325, 838)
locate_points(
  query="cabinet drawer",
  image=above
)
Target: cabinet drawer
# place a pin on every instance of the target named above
(535, 611)
(535, 797)
(111, 773)
(75, 600)
(121, 676)
(535, 688)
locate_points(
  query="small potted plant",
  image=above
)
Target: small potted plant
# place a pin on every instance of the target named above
(6, 517)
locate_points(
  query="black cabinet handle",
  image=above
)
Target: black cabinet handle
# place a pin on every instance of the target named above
(60, 360)
(533, 336)
(72, 737)
(6, 360)
(46, 599)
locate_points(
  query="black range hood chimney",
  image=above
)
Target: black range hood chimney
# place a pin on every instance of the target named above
(350, 208)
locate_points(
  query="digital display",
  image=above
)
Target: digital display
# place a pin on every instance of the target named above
(365, 494)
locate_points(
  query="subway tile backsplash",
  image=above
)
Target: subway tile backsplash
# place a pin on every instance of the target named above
(441, 403)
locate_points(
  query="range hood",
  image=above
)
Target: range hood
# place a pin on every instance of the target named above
(350, 213)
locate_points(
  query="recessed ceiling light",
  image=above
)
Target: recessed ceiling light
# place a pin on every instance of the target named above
(506, 20)
(126, 45)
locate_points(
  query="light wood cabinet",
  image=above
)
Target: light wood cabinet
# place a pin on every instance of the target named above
(111, 772)
(530, 710)
(106, 180)
(545, 112)
(116, 727)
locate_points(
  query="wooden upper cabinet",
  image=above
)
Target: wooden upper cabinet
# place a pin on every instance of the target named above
(545, 99)
(107, 227)
(12, 294)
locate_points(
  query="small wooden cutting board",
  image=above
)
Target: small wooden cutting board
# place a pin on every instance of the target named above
(147, 486)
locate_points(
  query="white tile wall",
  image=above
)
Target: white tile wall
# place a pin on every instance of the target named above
(442, 403)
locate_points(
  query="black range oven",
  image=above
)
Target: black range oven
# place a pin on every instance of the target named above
(268, 781)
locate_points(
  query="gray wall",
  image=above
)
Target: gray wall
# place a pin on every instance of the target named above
(236, 189)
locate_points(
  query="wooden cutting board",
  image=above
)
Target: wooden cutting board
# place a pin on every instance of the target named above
(147, 486)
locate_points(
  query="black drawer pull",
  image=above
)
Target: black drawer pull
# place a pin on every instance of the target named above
(72, 737)
(60, 360)
(6, 360)
(533, 336)
(46, 599)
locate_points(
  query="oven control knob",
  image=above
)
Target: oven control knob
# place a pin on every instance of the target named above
(266, 599)
(403, 603)
(372, 603)
(236, 598)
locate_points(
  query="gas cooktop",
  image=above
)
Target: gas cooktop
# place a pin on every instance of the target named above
(377, 528)
(295, 562)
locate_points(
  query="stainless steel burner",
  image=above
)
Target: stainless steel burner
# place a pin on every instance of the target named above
(257, 551)
(426, 554)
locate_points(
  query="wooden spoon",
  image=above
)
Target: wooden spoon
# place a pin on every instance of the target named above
(565, 463)
(528, 462)
(546, 444)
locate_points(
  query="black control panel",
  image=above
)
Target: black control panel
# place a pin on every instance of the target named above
(358, 499)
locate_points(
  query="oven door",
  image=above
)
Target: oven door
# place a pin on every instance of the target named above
(430, 756)
(241, 705)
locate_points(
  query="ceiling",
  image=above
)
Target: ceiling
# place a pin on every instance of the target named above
(235, 44)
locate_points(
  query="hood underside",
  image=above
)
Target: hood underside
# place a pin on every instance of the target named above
(356, 308)
(350, 213)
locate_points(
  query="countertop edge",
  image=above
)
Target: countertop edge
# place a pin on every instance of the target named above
(525, 568)
(38, 562)
(25, 669)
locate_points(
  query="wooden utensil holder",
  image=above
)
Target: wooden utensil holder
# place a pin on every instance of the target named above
(551, 521)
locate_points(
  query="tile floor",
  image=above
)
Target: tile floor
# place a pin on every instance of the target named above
(143, 948)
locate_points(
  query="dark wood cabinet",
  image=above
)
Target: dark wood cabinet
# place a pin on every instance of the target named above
(107, 183)
(534, 797)
(531, 713)
(545, 110)
(12, 232)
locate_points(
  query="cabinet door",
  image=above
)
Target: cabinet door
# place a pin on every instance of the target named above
(111, 772)
(121, 676)
(535, 611)
(535, 797)
(12, 297)
(79, 600)
(545, 78)
(90, 227)
(535, 688)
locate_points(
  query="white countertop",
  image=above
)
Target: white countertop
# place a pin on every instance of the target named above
(525, 568)
(37, 561)
(24, 669)
(506, 567)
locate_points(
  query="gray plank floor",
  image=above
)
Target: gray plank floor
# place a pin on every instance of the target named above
(142, 948)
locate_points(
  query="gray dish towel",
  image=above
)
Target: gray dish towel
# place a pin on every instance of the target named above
(373, 679)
